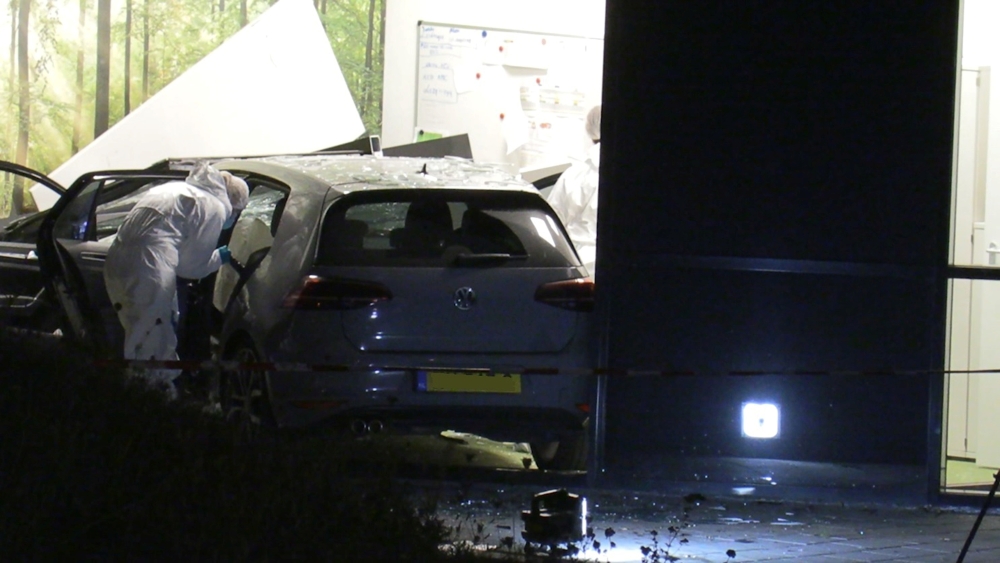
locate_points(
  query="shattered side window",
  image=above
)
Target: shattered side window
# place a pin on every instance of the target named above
(262, 205)
(257, 223)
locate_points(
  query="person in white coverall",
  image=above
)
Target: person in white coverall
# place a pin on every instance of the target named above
(172, 231)
(574, 196)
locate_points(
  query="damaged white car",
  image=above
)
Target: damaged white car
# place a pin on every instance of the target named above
(402, 293)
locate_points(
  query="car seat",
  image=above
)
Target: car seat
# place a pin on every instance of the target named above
(485, 234)
(340, 235)
(247, 238)
(350, 234)
(426, 228)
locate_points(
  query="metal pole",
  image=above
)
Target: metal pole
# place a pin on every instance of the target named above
(979, 519)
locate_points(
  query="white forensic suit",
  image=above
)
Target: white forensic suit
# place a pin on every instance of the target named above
(172, 231)
(574, 198)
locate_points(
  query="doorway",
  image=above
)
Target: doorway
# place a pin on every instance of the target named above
(971, 452)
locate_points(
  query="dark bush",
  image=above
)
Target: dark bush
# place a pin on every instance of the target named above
(95, 467)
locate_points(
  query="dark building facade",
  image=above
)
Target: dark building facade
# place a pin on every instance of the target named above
(775, 206)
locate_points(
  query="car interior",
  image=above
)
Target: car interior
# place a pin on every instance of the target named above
(426, 229)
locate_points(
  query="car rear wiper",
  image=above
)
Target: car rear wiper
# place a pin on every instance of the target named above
(466, 259)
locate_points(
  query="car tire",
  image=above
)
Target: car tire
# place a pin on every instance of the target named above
(244, 398)
(569, 453)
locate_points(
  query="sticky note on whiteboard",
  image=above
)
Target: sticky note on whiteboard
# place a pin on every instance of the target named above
(421, 135)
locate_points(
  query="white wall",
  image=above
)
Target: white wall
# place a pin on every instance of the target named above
(981, 48)
(980, 40)
(584, 18)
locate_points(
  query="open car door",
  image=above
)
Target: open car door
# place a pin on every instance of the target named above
(23, 300)
(73, 242)
(250, 239)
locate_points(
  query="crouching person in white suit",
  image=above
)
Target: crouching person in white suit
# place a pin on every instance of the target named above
(172, 231)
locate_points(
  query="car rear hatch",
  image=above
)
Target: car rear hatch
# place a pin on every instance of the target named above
(463, 271)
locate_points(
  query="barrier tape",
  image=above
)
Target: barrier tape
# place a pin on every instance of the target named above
(296, 366)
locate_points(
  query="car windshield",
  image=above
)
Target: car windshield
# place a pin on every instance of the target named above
(442, 228)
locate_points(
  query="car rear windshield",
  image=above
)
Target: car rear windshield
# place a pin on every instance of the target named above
(443, 228)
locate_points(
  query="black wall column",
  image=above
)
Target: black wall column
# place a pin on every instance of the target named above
(775, 193)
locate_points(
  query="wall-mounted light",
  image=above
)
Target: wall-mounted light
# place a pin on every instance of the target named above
(761, 420)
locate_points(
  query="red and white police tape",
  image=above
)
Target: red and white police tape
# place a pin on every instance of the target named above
(225, 365)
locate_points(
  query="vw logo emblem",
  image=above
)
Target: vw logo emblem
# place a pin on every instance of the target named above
(465, 298)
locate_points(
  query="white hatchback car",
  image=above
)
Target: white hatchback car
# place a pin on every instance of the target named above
(417, 294)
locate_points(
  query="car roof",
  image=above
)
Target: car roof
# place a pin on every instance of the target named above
(350, 173)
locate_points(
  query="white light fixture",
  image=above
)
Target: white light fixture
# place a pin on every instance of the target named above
(761, 420)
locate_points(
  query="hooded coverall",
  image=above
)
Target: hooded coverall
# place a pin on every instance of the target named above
(172, 231)
(574, 198)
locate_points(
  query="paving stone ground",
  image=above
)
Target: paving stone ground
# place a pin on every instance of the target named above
(700, 528)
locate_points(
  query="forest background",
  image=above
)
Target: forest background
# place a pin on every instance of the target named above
(77, 67)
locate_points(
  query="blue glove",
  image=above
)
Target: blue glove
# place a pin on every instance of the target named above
(225, 254)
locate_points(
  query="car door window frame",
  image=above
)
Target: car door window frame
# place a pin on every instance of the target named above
(67, 285)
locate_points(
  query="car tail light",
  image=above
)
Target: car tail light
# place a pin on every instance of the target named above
(321, 294)
(575, 295)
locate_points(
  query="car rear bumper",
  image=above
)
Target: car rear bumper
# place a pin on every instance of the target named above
(512, 424)
(546, 405)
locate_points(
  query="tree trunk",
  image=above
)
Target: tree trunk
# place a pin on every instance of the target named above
(78, 106)
(128, 57)
(101, 93)
(369, 47)
(23, 101)
(322, 6)
(221, 21)
(145, 50)
(13, 45)
(381, 54)
(243, 13)
(12, 79)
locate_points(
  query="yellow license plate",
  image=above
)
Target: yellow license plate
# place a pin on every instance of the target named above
(458, 381)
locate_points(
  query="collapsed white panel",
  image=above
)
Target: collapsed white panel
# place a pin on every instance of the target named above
(273, 87)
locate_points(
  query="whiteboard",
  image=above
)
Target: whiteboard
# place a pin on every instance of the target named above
(522, 97)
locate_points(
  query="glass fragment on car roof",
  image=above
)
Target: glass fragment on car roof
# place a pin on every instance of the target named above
(352, 172)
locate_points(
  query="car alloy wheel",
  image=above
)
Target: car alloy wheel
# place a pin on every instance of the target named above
(244, 398)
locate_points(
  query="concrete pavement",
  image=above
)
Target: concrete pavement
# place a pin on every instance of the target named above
(757, 530)
(639, 527)
(702, 508)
